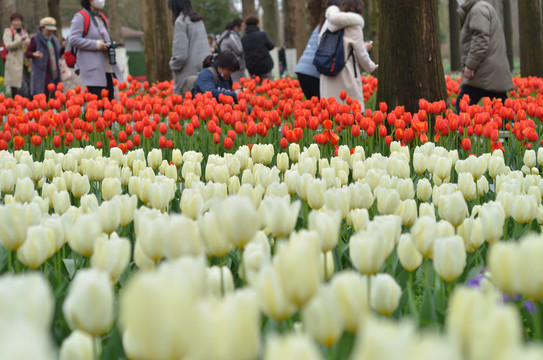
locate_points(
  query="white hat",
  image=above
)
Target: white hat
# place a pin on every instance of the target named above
(49, 23)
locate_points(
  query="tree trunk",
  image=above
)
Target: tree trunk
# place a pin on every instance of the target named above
(248, 8)
(289, 23)
(7, 7)
(157, 40)
(39, 9)
(508, 31)
(410, 57)
(316, 9)
(300, 27)
(270, 19)
(531, 38)
(373, 33)
(114, 21)
(53, 10)
(454, 36)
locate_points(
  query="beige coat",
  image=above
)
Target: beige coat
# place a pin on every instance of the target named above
(353, 38)
(13, 75)
(483, 48)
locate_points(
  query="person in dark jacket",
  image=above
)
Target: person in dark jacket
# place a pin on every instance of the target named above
(223, 64)
(257, 46)
(44, 50)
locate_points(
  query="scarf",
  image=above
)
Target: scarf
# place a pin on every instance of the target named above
(52, 57)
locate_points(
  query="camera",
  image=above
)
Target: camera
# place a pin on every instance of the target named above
(111, 52)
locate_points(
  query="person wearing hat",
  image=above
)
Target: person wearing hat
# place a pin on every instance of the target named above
(44, 51)
(16, 40)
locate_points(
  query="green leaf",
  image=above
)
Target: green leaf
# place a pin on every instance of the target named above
(428, 315)
(535, 227)
(70, 267)
(113, 346)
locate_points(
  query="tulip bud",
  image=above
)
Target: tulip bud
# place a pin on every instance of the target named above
(220, 281)
(351, 291)
(84, 233)
(529, 158)
(177, 157)
(524, 209)
(256, 255)
(38, 247)
(24, 190)
(215, 241)
(282, 162)
(272, 298)
(442, 168)
(408, 212)
(503, 260)
(467, 186)
(361, 196)
(327, 225)
(496, 166)
(7, 181)
(279, 216)
(388, 200)
(409, 256)
(453, 208)
(61, 202)
(385, 294)
(291, 347)
(449, 257)
(424, 189)
(110, 216)
(80, 185)
(322, 318)
(368, 251)
(358, 219)
(238, 220)
(424, 231)
(89, 303)
(154, 158)
(78, 346)
(301, 285)
(294, 152)
(111, 256)
(13, 226)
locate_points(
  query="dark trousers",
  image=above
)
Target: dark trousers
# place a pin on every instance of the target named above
(476, 94)
(310, 85)
(97, 90)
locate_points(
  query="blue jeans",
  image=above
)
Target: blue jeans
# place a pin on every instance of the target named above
(476, 94)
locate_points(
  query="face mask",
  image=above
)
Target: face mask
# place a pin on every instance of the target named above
(460, 2)
(240, 33)
(99, 4)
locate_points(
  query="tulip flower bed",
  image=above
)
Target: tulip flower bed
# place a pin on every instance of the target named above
(168, 227)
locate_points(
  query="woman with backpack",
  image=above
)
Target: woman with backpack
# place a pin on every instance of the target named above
(89, 35)
(15, 42)
(216, 77)
(354, 51)
(190, 45)
(229, 40)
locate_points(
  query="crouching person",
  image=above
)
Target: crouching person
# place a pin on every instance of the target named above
(215, 77)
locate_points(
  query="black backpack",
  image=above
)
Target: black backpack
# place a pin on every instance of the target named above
(329, 57)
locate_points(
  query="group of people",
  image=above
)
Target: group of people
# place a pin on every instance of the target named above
(486, 70)
(38, 57)
(216, 69)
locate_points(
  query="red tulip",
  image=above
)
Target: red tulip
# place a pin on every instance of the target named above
(466, 144)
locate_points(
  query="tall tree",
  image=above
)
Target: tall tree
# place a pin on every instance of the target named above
(7, 7)
(114, 20)
(373, 34)
(248, 8)
(409, 55)
(454, 36)
(315, 8)
(40, 10)
(53, 10)
(289, 23)
(300, 27)
(156, 40)
(508, 31)
(531, 37)
(271, 19)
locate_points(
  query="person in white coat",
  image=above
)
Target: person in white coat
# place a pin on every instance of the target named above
(349, 19)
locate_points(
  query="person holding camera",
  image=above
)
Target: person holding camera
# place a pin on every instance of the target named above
(44, 51)
(96, 60)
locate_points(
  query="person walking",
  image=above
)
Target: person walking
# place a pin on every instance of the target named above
(190, 45)
(44, 50)
(229, 40)
(16, 70)
(257, 46)
(349, 18)
(216, 76)
(483, 53)
(93, 44)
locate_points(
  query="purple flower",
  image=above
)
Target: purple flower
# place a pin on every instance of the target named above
(530, 306)
(476, 281)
